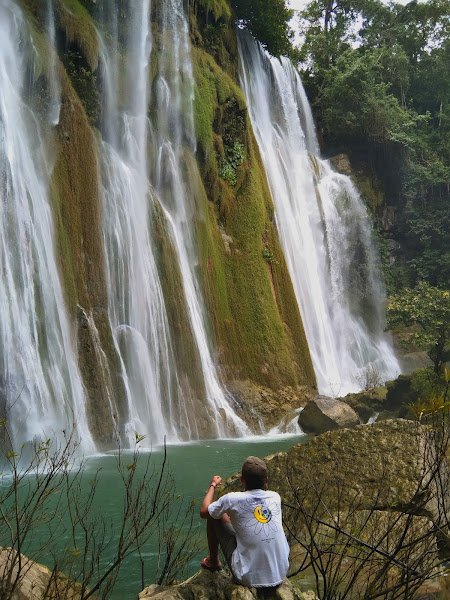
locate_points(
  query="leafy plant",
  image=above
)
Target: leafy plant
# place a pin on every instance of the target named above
(429, 308)
(234, 156)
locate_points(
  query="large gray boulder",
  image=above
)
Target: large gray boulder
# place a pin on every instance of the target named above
(220, 586)
(326, 414)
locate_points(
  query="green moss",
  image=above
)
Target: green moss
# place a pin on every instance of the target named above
(256, 339)
(184, 346)
(75, 184)
(84, 82)
(213, 89)
(220, 9)
(76, 22)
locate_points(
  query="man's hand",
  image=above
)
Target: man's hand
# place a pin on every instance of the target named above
(216, 480)
(207, 500)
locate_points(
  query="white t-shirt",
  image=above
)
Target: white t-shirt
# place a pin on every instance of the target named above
(261, 556)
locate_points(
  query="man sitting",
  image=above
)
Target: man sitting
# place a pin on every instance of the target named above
(248, 526)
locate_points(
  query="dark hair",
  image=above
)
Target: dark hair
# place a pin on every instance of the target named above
(254, 483)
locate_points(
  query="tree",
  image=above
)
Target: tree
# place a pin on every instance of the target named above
(267, 20)
(428, 308)
(378, 76)
(49, 498)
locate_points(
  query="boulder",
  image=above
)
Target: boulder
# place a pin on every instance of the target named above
(368, 403)
(383, 460)
(205, 585)
(35, 581)
(326, 414)
(262, 408)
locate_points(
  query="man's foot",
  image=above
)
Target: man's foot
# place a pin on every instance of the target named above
(210, 565)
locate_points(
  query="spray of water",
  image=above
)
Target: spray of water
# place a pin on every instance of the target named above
(323, 227)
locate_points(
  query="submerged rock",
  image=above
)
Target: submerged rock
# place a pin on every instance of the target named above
(326, 414)
(221, 586)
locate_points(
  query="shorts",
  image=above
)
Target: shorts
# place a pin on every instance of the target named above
(227, 539)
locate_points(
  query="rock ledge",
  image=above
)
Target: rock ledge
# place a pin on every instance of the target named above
(220, 586)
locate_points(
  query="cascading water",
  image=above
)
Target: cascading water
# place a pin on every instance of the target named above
(136, 305)
(41, 391)
(143, 166)
(323, 227)
(175, 131)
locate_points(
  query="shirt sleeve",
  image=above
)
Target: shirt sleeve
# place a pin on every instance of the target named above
(217, 508)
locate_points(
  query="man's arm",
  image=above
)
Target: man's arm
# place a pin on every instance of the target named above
(208, 499)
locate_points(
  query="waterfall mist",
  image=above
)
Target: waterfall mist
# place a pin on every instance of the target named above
(323, 227)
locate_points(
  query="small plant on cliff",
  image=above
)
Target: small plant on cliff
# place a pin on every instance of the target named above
(50, 511)
(234, 156)
(268, 255)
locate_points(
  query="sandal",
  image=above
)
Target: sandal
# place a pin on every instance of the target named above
(204, 564)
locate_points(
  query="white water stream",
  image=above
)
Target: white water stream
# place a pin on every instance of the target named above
(323, 227)
(41, 392)
(143, 164)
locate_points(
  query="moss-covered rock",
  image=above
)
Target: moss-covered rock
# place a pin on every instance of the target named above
(258, 405)
(254, 313)
(368, 403)
(381, 461)
(400, 395)
(78, 26)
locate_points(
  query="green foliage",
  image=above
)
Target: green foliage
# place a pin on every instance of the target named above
(427, 383)
(436, 405)
(234, 156)
(220, 9)
(379, 78)
(269, 256)
(425, 231)
(428, 308)
(267, 20)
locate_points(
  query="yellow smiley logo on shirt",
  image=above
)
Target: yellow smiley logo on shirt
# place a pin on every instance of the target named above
(263, 515)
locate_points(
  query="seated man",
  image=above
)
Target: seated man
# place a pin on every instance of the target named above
(249, 528)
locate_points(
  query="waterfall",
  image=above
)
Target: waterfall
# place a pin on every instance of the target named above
(143, 169)
(175, 130)
(41, 392)
(323, 227)
(136, 305)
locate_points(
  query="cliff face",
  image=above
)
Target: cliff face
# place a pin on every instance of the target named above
(254, 322)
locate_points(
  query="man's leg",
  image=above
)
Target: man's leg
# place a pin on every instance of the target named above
(212, 525)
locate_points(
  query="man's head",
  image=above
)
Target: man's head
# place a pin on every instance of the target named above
(254, 473)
